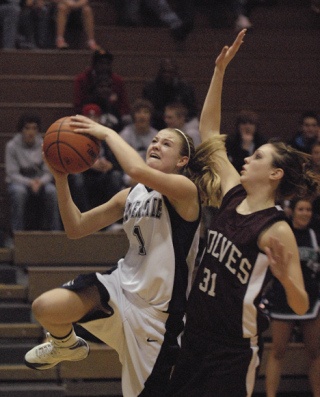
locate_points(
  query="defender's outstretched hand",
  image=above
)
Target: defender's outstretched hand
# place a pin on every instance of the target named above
(228, 53)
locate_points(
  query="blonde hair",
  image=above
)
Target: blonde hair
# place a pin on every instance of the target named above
(202, 171)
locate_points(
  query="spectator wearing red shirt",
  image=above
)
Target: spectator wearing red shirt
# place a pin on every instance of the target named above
(100, 72)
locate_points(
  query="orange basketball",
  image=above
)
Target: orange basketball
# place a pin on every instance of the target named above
(67, 151)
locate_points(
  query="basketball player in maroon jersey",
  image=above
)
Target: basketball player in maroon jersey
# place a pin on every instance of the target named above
(247, 240)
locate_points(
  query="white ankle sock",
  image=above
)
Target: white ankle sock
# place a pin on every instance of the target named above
(66, 341)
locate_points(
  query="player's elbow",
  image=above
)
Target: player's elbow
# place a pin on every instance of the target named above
(73, 234)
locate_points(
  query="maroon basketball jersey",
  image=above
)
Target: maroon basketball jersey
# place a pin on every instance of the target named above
(225, 296)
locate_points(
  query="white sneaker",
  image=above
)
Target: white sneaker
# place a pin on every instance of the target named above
(47, 355)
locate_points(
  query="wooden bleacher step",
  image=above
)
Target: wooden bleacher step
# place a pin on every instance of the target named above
(14, 352)
(20, 372)
(21, 331)
(25, 389)
(55, 248)
(14, 312)
(45, 278)
(87, 387)
(13, 292)
(6, 255)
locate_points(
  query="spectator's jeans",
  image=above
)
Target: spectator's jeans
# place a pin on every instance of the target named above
(9, 20)
(47, 203)
(161, 9)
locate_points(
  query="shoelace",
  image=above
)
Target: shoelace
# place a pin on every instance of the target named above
(45, 350)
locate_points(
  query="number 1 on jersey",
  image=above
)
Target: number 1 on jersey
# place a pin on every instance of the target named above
(138, 234)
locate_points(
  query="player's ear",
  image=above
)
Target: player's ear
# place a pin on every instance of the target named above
(183, 161)
(276, 174)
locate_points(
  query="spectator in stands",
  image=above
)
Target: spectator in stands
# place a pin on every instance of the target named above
(176, 116)
(34, 24)
(315, 159)
(246, 138)
(28, 178)
(105, 178)
(308, 132)
(283, 318)
(138, 307)
(100, 75)
(106, 99)
(226, 13)
(9, 21)
(64, 8)
(161, 9)
(140, 133)
(168, 87)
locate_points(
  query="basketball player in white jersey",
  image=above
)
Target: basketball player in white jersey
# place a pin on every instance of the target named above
(137, 308)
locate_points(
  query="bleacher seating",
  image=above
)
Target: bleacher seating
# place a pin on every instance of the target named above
(276, 72)
(49, 259)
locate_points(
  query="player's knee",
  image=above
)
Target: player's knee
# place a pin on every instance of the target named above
(40, 308)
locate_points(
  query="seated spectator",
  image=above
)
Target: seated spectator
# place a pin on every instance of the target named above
(105, 178)
(176, 116)
(308, 132)
(245, 139)
(162, 12)
(29, 183)
(34, 24)
(9, 21)
(100, 75)
(64, 8)
(103, 96)
(168, 87)
(140, 133)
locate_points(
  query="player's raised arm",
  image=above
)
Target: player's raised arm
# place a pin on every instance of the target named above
(210, 119)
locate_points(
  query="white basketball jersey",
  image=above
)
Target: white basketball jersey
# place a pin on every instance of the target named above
(162, 250)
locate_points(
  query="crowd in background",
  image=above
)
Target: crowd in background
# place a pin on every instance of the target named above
(168, 100)
(32, 24)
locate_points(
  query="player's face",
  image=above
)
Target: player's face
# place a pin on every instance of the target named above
(258, 167)
(163, 153)
(302, 214)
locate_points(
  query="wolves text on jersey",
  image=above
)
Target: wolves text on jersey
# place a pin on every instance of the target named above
(151, 207)
(226, 252)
